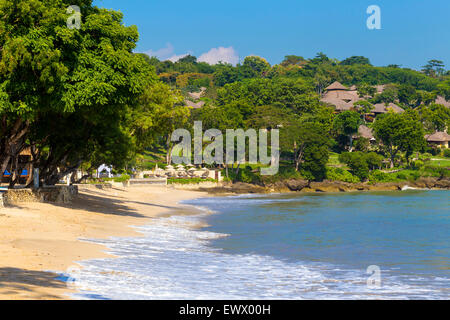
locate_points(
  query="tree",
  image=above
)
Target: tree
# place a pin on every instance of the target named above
(374, 160)
(407, 95)
(347, 124)
(434, 68)
(399, 132)
(357, 162)
(292, 60)
(257, 64)
(366, 90)
(361, 163)
(363, 107)
(310, 143)
(65, 92)
(435, 117)
(355, 60)
(389, 95)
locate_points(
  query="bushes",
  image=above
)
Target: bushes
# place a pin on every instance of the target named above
(361, 163)
(339, 174)
(378, 176)
(244, 175)
(357, 163)
(122, 178)
(447, 153)
(418, 164)
(248, 176)
(374, 160)
(404, 175)
(284, 173)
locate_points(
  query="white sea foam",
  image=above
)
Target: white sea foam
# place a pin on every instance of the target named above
(174, 261)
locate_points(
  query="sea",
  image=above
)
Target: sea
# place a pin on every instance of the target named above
(367, 245)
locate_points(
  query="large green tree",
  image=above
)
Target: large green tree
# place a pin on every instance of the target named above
(399, 132)
(65, 91)
(346, 124)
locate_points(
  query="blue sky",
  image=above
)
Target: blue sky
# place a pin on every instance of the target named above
(413, 31)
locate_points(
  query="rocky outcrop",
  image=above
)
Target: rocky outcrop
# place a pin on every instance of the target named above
(304, 186)
(296, 184)
(431, 183)
(340, 186)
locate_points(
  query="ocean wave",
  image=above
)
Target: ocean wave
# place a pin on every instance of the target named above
(173, 260)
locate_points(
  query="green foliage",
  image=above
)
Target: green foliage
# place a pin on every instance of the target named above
(345, 125)
(314, 162)
(400, 132)
(447, 153)
(357, 162)
(374, 160)
(404, 175)
(285, 172)
(259, 65)
(435, 117)
(339, 174)
(355, 60)
(365, 90)
(122, 178)
(418, 164)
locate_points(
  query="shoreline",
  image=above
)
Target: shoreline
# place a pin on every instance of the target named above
(304, 186)
(37, 237)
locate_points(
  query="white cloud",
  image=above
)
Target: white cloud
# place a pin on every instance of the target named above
(221, 54)
(213, 56)
(167, 53)
(175, 57)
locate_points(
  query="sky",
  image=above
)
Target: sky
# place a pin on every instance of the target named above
(412, 31)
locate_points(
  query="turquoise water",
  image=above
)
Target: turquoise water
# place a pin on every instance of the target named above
(406, 234)
(283, 246)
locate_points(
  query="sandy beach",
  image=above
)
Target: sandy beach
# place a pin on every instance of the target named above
(37, 237)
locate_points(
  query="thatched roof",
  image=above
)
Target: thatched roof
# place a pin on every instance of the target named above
(438, 137)
(380, 88)
(441, 100)
(343, 95)
(365, 132)
(336, 86)
(382, 108)
(197, 95)
(194, 105)
(339, 104)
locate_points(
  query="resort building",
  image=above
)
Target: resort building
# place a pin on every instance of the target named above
(380, 108)
(194, 105)
(341, 97)
(439, 139)
(366, 133)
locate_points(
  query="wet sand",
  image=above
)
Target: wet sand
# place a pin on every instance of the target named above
(38, 237)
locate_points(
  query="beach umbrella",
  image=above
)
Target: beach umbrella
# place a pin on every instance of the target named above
(169, 167)
(180, 167)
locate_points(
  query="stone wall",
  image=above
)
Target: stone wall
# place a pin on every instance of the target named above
(57, 194)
